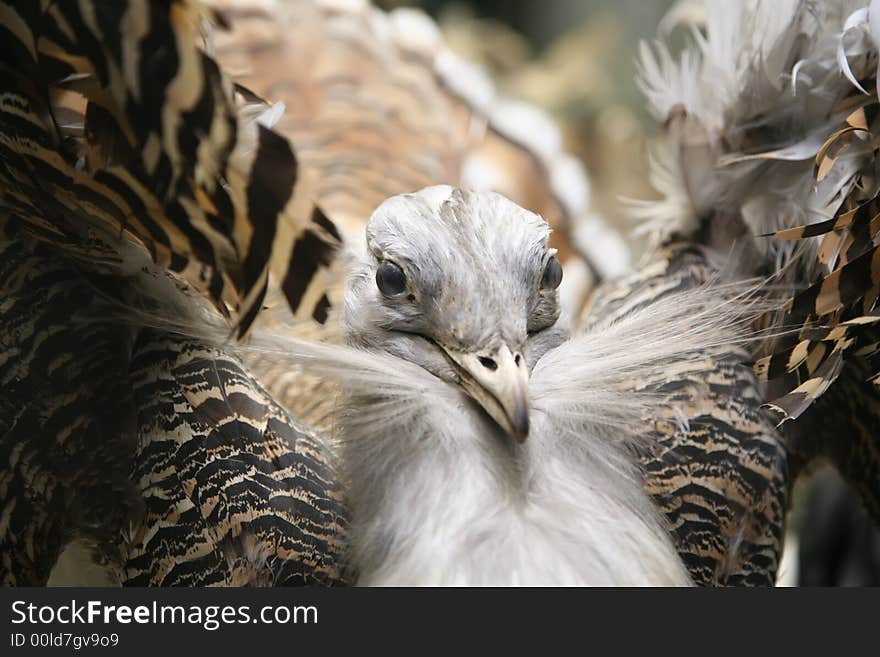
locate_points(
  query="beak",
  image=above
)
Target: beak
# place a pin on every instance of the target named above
(497, 381)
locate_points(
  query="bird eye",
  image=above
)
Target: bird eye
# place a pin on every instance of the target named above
(390, 279)
(552, 274)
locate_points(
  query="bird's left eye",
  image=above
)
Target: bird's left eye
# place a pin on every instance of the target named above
(390, 279)
(552, 276)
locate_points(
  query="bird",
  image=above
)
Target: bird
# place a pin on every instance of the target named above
(469, 428)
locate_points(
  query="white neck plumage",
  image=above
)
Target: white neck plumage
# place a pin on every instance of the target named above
(459, 504)
(439, 497)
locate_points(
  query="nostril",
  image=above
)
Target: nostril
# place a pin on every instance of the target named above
(517, 359)
(488, 363)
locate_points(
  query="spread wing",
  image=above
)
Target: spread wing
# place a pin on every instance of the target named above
(129, 162)
(768, 163)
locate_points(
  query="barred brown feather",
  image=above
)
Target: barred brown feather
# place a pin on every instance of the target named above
(236, 491)
(120, 135)
(168, 161)
(714, 464)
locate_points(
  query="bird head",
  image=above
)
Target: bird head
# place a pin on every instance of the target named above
(462, 284)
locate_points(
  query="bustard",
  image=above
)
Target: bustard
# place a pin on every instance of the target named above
(109, 194)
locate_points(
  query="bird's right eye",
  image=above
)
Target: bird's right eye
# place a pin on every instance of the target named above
(390, 279)
(552, 276)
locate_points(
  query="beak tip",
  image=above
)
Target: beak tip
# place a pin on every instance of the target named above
(521, 425)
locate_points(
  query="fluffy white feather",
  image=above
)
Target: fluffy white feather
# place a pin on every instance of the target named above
(746, 108)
